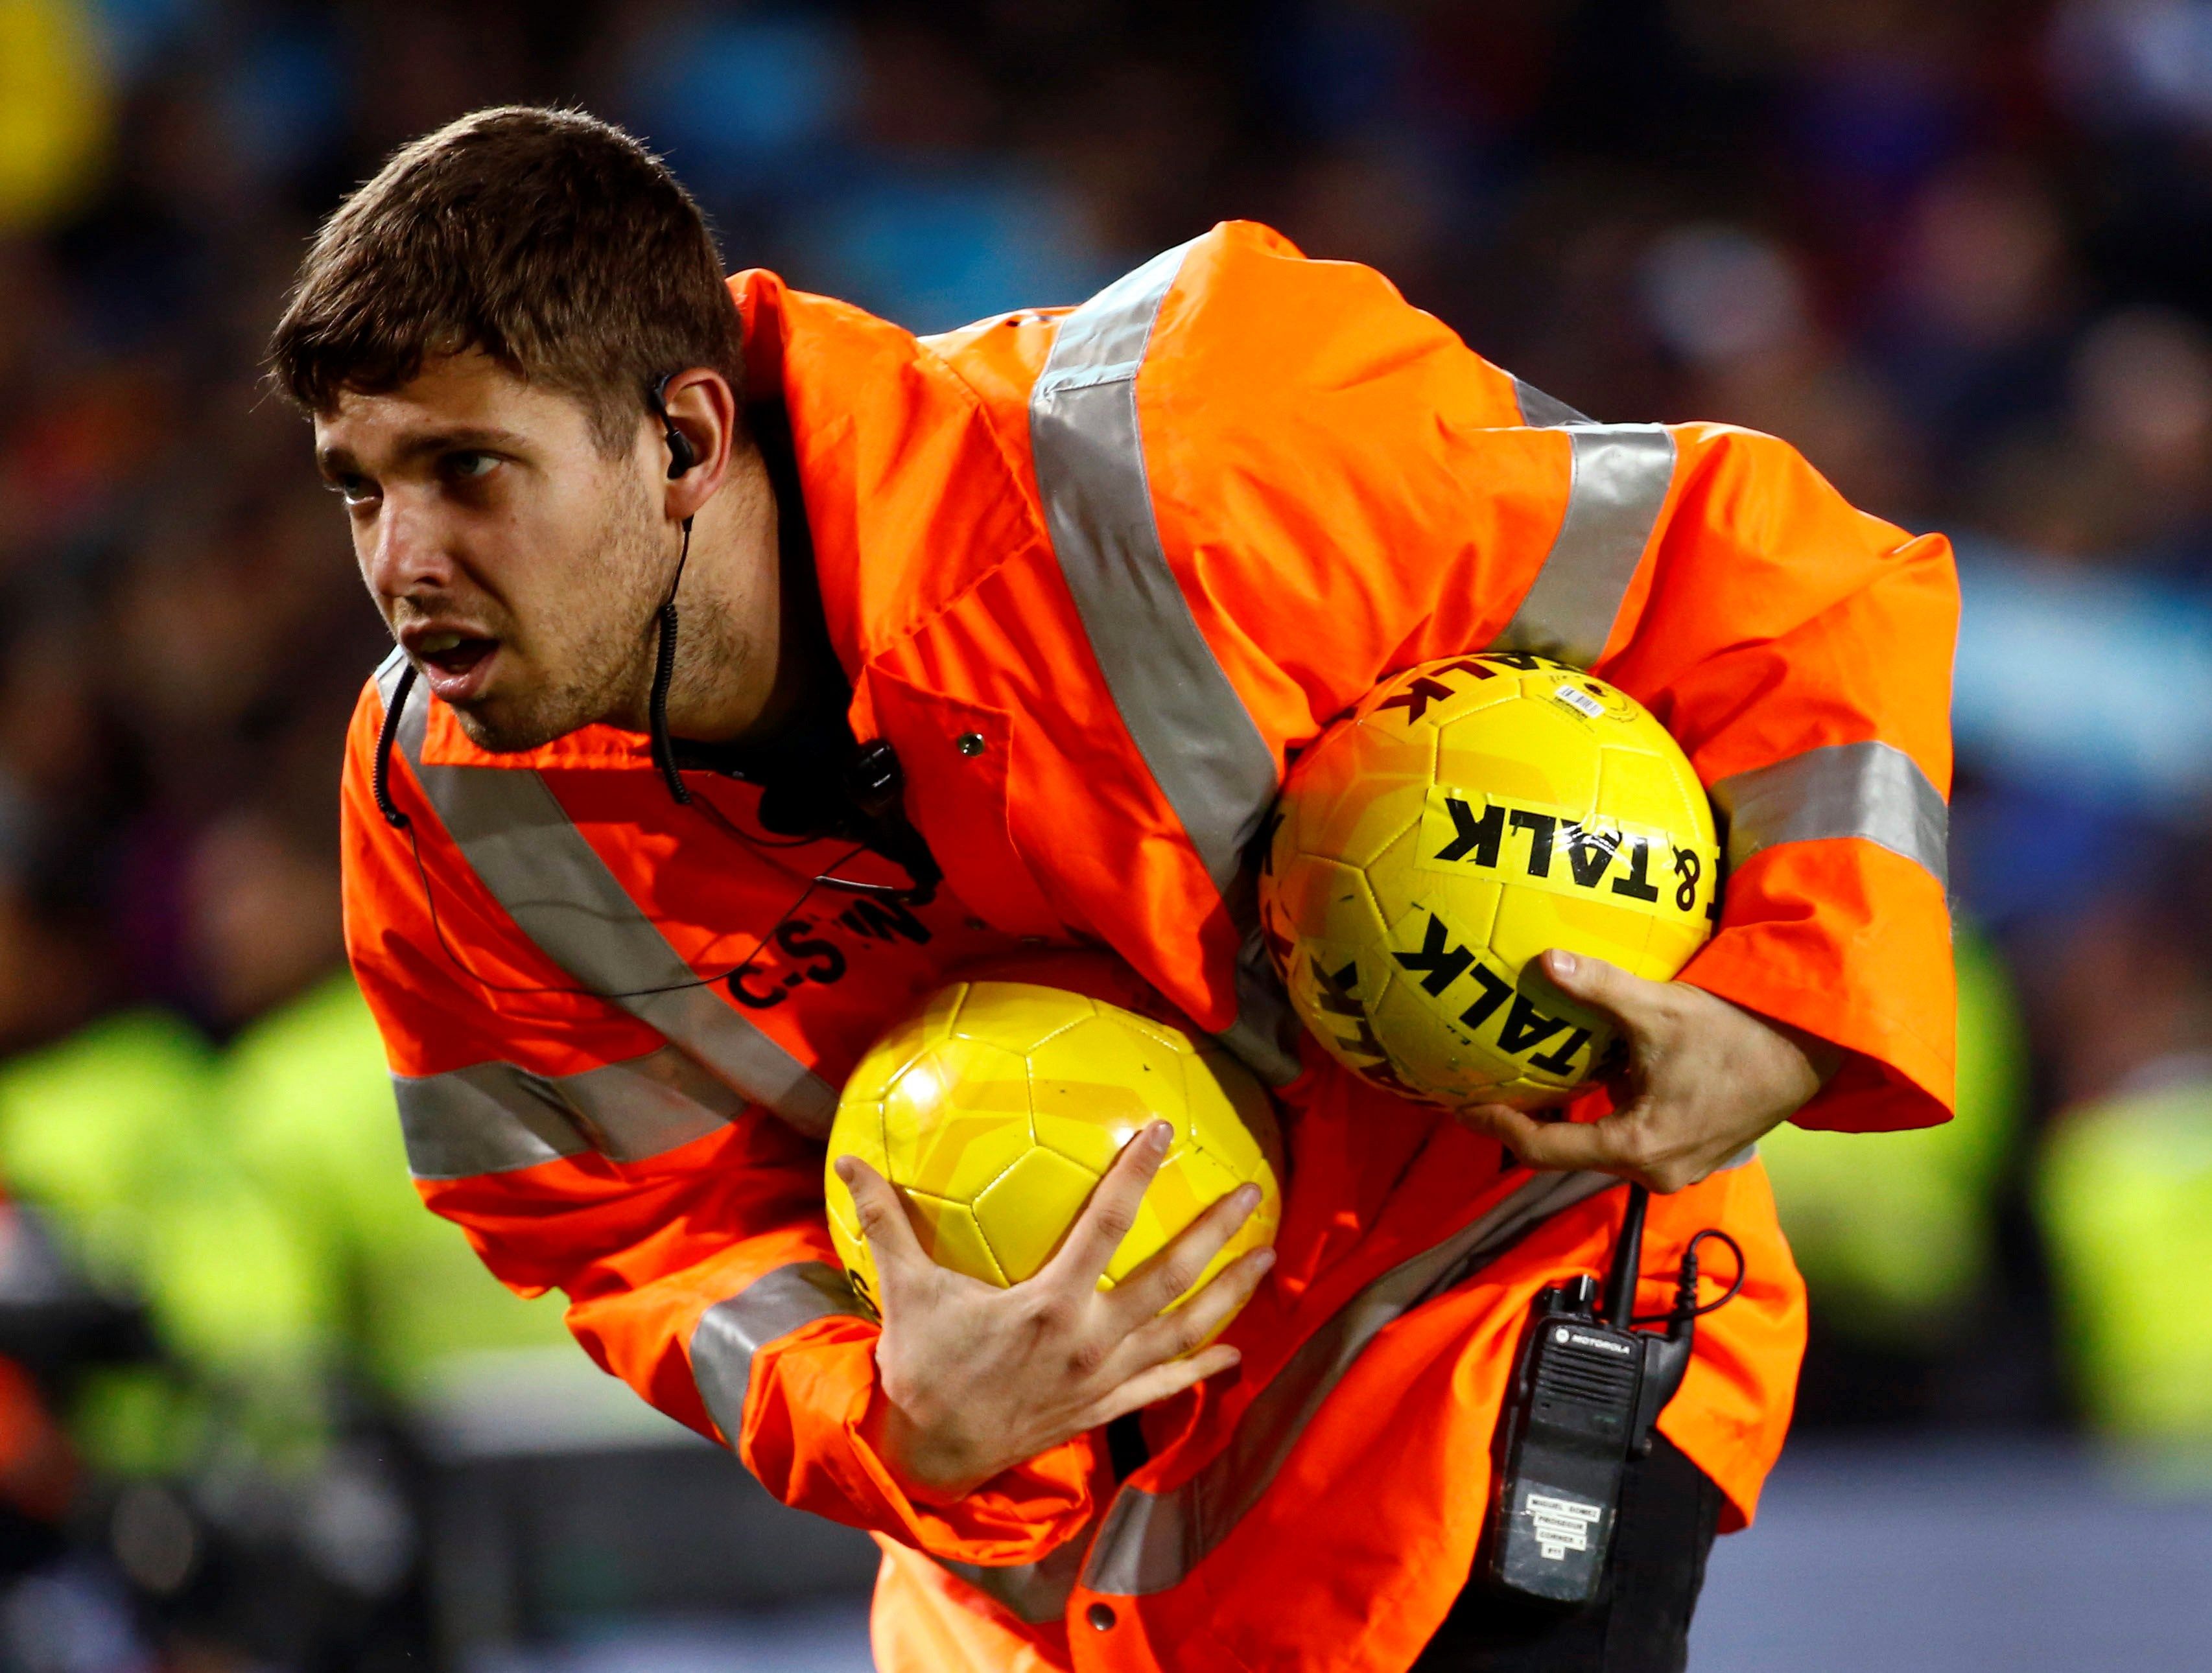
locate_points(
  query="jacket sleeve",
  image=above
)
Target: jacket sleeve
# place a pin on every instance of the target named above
(579, 1151)
(1343, 489)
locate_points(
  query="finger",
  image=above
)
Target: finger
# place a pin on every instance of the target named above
(1601, 1145)
(883, 1219)
(1175, 1334)
(1634, 1002)
(1111, 1211)
(1150, 1387)
(1628, 1145)
(1163, 1279)
(1509, 1126)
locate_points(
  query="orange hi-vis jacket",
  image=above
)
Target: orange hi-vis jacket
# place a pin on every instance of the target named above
(1094, 573)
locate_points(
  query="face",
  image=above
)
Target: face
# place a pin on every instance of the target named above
(518, 565)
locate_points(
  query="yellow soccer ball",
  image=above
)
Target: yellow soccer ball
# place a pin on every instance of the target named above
(998, 1109)
(1465, 816)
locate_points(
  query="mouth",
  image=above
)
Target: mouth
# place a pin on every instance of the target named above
(455, 666)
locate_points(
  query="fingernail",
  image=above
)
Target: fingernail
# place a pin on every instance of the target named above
(845, 1165)
(1248, 1199)
(1563, 963)
(1263, 1260)
(1158, 1135)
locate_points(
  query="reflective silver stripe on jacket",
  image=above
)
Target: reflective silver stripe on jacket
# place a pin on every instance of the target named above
(1149, 1541)
(526, 851)
(1872, 790)
(1197, 739)
(773, 1304)
(1034, 1591)
(1621, 475)
(492, 1117)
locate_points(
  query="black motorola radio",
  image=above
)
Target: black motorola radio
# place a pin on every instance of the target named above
(1587, 1390)
(1566, 1439)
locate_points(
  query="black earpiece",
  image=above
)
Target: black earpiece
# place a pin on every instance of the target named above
(380, 778)
(681, 456)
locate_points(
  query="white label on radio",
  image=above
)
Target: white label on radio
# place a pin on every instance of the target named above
(1562, 1525)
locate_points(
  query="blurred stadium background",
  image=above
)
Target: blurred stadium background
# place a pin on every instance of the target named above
(258, 1410)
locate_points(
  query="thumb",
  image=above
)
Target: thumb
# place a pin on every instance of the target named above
(1605, 987)
(883, 1219)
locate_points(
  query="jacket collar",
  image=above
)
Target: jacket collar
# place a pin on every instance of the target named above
(908, 498)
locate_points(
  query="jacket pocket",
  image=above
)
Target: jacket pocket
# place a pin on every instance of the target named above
(956, 757)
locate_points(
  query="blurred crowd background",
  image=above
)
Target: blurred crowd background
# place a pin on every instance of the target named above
(258, 1409)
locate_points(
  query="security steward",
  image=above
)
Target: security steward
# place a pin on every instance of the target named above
(760, 664)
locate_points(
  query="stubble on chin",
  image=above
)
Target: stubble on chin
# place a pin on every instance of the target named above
(512, 729)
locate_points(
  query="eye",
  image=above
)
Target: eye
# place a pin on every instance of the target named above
(472, 467)
(354, 490)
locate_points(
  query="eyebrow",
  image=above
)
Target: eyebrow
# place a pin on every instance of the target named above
(336, 461)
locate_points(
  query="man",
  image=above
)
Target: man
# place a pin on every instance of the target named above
(779, 664)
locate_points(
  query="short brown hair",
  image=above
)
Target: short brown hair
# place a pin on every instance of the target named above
(549, 239)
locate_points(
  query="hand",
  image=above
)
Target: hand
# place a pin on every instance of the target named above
(976, 1378)
(1705, 1079)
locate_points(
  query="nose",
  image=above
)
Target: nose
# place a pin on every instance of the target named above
(404, 550)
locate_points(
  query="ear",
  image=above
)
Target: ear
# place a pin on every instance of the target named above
(701, 411)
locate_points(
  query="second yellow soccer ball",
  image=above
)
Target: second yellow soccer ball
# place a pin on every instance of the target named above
(998, 1109)
(1466, 816)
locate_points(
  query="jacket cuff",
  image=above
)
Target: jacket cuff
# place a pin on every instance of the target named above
(1851, 944)
(811, 1436)
(1873, 1091)
(1018, 1516)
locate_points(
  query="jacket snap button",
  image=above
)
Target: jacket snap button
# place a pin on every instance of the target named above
(969, 743)
(1101, 1616)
